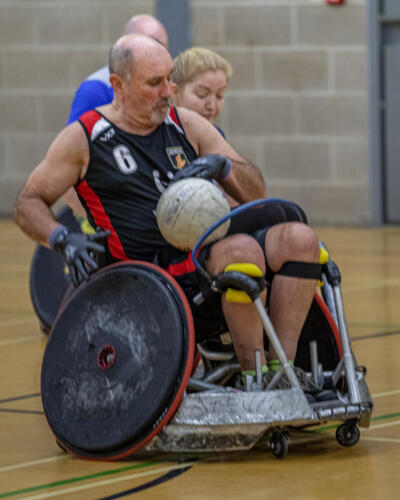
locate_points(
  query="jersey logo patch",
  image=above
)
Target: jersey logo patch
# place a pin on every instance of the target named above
(177, 157)
(108, 134)
(100, 126)
(124, 159)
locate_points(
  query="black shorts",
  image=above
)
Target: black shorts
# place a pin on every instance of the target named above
(208, 317)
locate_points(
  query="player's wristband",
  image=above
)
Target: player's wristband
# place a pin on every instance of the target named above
(227, 168)
(56, 233)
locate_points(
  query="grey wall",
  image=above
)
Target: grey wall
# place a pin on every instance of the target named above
(296, 106)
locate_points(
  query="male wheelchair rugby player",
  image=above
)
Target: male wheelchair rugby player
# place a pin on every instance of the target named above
(121, 369)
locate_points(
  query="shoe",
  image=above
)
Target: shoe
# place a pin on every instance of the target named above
(246, 386)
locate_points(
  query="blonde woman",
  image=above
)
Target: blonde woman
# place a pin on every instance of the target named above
(202, 77)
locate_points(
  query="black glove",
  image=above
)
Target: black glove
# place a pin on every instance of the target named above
(78, 251)
(206, 167)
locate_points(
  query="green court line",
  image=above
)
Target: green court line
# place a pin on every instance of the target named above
(144, 464)
(76, 479)
(374, 419)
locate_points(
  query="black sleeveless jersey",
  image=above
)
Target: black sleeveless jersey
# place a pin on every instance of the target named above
(126, 175)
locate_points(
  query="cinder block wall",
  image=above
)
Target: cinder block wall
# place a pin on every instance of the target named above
(47, 47)
(296, 106)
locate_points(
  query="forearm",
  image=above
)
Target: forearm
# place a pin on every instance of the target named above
(35, 218)
(245, 182)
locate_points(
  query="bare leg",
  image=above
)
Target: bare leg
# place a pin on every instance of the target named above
(290, 298)
(243, 321)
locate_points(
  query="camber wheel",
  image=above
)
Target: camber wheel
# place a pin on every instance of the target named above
(279, 443)
(348, 434)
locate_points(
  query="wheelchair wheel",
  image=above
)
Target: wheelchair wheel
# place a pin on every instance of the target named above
(48, 280)
(117, 361)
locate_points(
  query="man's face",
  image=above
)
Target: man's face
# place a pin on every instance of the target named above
(149, 92)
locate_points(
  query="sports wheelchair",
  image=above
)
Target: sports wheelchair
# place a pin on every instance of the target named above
(122, 371)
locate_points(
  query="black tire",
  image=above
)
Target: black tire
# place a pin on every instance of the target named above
(117, 361)
(348, 434)
(48, 281)
(279, 443)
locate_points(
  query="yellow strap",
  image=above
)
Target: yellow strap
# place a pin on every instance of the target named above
(245, 268)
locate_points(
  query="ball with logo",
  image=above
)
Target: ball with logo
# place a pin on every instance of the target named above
(187, 208)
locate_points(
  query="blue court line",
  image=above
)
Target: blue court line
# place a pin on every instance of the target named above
(162, 479)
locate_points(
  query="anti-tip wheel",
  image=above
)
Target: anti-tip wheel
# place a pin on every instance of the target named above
(348, 434)
(279, 443)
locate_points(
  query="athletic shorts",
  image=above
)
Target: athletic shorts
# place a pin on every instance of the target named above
(208, 316)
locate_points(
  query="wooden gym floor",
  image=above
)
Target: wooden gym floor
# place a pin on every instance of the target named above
(32, 466)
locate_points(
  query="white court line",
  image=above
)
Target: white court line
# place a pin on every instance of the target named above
(110, 481)
(382, 426)
(388, 393)
(383, 440)
(19, 340)
(12, 322)
(34, 462)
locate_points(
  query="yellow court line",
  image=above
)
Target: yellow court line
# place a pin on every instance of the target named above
(20, 340)
(388, 393)
(34, 462)
(13, 322)
(109, 481)
(382, 426)
(383, 440)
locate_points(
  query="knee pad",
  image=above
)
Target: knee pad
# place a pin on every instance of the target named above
(239, 296)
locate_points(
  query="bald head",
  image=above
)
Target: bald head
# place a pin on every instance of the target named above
(140, 74)
(129, 50)
(147, 25)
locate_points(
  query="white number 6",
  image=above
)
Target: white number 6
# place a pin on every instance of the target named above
(124, 159)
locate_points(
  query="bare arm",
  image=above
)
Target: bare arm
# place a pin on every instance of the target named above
(245, 182)
(64, 164)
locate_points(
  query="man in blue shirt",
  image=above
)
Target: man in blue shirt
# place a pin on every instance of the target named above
(96, 89)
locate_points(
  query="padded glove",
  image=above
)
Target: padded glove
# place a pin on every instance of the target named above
(206, 167)
(78, 251)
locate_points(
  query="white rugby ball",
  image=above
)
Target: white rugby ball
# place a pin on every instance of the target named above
(187, 208)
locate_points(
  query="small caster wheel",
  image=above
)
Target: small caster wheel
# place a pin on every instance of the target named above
(279, 443)
(362, 369)
(348, 434)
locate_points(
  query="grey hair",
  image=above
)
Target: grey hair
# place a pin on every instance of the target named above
(121, 61)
